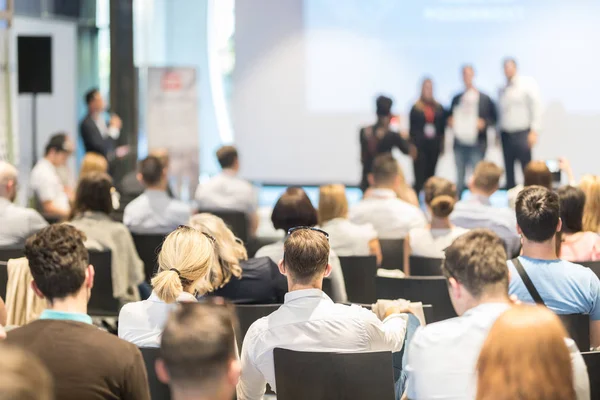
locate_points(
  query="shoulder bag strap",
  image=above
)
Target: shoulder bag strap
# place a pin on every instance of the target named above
(527, 281)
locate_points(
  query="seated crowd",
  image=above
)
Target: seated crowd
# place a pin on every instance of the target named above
(492, 259)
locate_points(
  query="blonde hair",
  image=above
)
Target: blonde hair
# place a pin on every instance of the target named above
(590, 184)
(184, 261)
(230, 250)
(93, 162)
(525, 357)
(332, 203)
(487, 176)
(23, 376)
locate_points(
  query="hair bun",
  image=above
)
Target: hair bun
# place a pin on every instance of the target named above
(442, 206)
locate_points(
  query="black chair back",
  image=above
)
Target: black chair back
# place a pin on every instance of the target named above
(148, 247)
(247, 314)
(333, 376)
(7, 253)
(592, 361)
(359, 276)
(158, 390)
(426, 289)
(392, 251)
(328, 287)
(593, 265)
(425, 266)
(102, 302)
(578, 326)
(237, 221)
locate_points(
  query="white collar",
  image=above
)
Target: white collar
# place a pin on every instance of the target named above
(184, 297)
(304, 293)
(382, 193)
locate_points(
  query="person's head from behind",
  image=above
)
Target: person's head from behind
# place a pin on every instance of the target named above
(59, 264)
(476, 270)
(94, 101)
(386, 173)
(306, 258)
(440, 196)
(94, 194)
(572, 203)
(538, 215)
(468, 75)
(510, 68)
(163, 155)
(197, 352)
(230, 250)
(525, 357)
(93, 162)
(228, 158)
(486, 179)
(537, 173)
(8, 181)
(185, 263)
(332, 203)
(383, 108)
(23, 376)
(58, 149)
(152, 173)
(293, 208)
(590, 184)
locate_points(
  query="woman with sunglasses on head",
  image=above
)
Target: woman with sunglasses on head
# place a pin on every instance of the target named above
(184, 266)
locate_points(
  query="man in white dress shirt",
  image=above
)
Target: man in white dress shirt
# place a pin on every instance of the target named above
(227, 191)
(391, 217)
(520, 119)
(309, 320)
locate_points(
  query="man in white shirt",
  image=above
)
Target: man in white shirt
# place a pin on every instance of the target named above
(16, 223)
(520, 119)
(154, 211)
(442, 356)
(46, 184)
(309, 320)
(391, 217)
(227, 191)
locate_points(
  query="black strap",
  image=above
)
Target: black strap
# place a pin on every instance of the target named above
(527, 281)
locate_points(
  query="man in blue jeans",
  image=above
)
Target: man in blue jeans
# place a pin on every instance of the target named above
(471, 114)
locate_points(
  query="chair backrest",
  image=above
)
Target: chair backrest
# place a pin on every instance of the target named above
(359, 276)
(7, 253)
(333, 376)
(425, 266)
(392, 251)
(592, 361)
(248, 313)
(158, 390)
(148, 247)
(237, 221)
(102, 302)
(328, 287)
(593, 265)
(578, 326)
(426, 289)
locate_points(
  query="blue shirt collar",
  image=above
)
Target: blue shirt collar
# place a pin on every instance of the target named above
(66, 316)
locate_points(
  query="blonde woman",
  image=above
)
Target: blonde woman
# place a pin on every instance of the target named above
(346, 238)
(184, 266)
(237, 279)
(23, 375)
(590, 184)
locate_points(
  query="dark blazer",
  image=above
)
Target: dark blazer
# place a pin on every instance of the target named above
(487, 111)
(417, 124)
(93, 140)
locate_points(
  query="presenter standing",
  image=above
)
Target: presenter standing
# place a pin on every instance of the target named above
(520, 119)
(427, 125)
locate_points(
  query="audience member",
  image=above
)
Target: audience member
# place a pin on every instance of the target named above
(535, 173)
(184, 266)
(525, 357)
(154, 211)
(237, 279)
(92, 209)
(432, 240)
(94, 162)
(309, 320)
(198, 357)
(346, 238)
(23, 376)
(478, 212)
(576, 245)
(563, 287)
(85, 362)
(18, 223)
(294, 209)
(590, 184)
(227, 191)
(2, 313)
(391, 217)
(47, 188)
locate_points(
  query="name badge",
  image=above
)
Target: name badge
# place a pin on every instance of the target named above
(429, 131)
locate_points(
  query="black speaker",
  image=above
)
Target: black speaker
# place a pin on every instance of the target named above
(35, 64)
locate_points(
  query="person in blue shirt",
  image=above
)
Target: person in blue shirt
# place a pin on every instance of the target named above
(564, 287)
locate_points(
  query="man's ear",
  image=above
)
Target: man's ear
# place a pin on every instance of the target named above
(139, 177)
(371, 180)
(90, 272)
(328, 269)
(281, 267)
(455, 287)
(233, 372)
(559, 226)
(161, 371)
(519, 230)
(37, 290)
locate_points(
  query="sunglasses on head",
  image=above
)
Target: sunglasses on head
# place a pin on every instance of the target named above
(209, 236)
(297, 228)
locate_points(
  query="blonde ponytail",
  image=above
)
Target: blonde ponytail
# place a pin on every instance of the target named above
(167, 286)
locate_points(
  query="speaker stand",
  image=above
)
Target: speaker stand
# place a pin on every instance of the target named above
(33, 129)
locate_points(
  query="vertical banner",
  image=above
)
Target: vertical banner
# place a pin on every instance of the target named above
(172, 124)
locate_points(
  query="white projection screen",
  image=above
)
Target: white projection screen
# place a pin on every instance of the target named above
(307, 73)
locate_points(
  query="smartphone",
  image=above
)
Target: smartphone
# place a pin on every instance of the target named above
(553, 166)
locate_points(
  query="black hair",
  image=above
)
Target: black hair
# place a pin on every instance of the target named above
(57, 143)
(383, 106)
(538, 213)
(151, 168)
(90, 94)
(572, 203)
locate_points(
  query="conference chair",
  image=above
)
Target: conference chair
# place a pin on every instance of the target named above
(102, 303)
(328, 287)
(247, 314)
(148, 246)
(593, 265)
(578, 326)
(158, 390)
(592, 361)
(7, 253)
(333, 376)
(425, 266)
(237, 221)
(426, 289)
(359, 276)
(392, 251)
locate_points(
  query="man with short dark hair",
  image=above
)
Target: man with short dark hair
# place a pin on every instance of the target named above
(85, 362)
(198, 356)
(154, 211)
(391, 217)
(227, 191)
(564, 287)
(309, 321)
